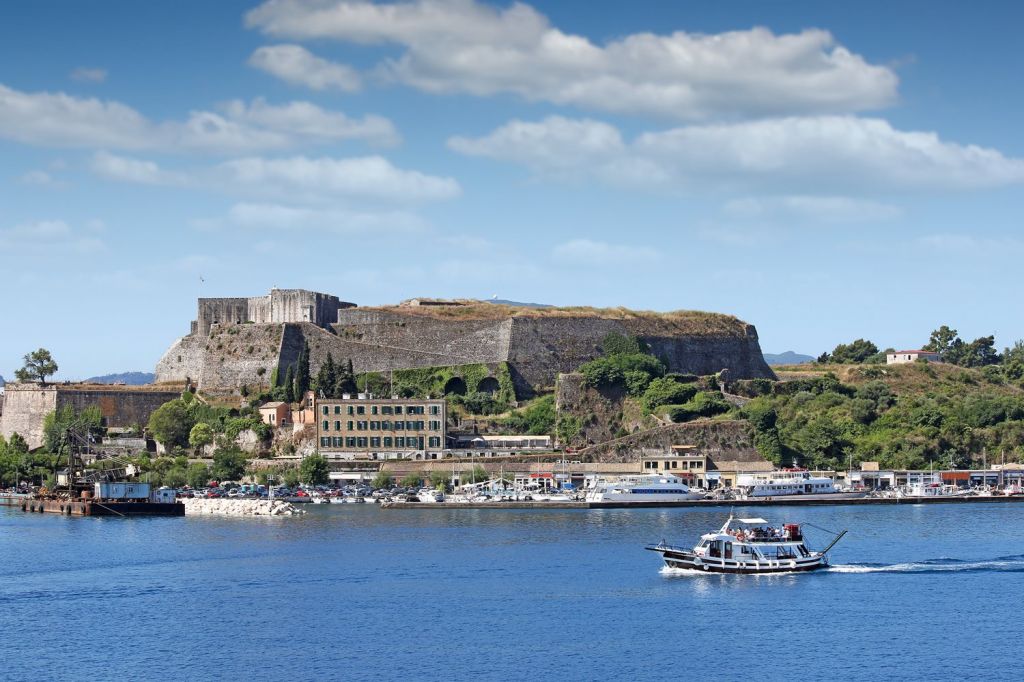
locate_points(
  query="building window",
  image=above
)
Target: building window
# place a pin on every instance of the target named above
(435, 425)
(361, 426)
(399, 441)
(387, 441)
(350, 441)
(337, 426)
(325, 442)
(373, 409)
(386, 409)
(361, 409)
(361, 442)
(435, 442)
(385, 425)
(326, 409)
(336, 441)
(435, 409)
(351, 410)
(337, 409)
(398, 409)
(399, 426)
(327, 426)
(374, 441)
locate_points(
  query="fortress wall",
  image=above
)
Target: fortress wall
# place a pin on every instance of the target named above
(183, 360)
(220, 310)
(720, 440)
(703, 355)
(120, 406)
(234, 355)
(25, 407)
(540, 348)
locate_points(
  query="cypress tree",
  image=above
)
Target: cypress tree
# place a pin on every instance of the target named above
(302, 372)
(327, 377)
(289, 384)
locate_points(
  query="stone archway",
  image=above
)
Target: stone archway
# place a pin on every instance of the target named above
(455, 386)
(488, 385)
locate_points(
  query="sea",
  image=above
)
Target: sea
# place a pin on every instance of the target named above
(355, 592)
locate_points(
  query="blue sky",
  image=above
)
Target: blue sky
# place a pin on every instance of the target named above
(825, 171)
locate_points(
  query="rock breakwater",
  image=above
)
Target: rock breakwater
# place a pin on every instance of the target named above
(229, 507)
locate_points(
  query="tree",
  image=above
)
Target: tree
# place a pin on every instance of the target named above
(665, 391)
(477, 474)
(198, 475)
(175, 477)
(200, 436)
(228, 463)
(302, 373)
(171, 424)
(941, 340)
(82, 424)
(620, 344)
(290, 477)
(289, 385)
(327, 377)
(855, 352)
(381, 480)
(412, 480)
(314, 470)
(438, 480)
(345, 381)
(39, 364)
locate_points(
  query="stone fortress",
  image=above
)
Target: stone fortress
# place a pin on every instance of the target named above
(237, 342)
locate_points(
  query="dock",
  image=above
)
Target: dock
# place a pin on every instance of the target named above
(710, 504)
(93, 507)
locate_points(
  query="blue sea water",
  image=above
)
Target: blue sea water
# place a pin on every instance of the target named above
(356, 592)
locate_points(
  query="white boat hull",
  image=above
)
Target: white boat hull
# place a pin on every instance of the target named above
(683, 559)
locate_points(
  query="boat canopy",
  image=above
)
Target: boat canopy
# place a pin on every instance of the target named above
(755, 520)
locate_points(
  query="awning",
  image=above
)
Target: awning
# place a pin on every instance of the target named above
(751, 520)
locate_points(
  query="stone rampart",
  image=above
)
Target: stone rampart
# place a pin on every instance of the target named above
(720, 440)
(26, 405)
(277, 307)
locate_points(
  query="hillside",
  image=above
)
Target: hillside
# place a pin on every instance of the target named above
(787, 358)
(903, 416)
(127, 378)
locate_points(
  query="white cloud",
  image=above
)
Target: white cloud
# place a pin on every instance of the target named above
(368, 177)
(62, 120)
(589, 252)
(970, 245)
(830, 209)
(824, 154)
(470, 47)
(46, 236)
(296, 65)
(37, 177)
(342, 221)
(310, 121)
(124, 169)
(86, 75)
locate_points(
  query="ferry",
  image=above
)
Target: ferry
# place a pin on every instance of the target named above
(784, 483)
(644, 488)
(748, 546)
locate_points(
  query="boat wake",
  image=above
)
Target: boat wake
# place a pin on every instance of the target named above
(1004, 564)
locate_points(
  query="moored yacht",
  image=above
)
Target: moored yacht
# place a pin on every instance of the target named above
(644, 488)
(785, 483)
(430, 495)
(748, 546)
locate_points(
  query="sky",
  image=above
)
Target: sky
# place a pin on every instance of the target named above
(824, 171)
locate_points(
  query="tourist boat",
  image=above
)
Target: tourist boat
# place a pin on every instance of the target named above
(785, 483)
(644, 488)
(430, 495)
(748, 546)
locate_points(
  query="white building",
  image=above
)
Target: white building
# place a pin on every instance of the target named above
(903, 356)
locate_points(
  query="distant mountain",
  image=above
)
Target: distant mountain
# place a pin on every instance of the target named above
(130, 378)
(2, 382)
(787, 358)
(517, 304)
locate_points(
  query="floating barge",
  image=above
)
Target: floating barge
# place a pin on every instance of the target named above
(108, 499)
(794, 500)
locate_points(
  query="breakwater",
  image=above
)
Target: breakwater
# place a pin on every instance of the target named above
(794, 501)
(228, 507)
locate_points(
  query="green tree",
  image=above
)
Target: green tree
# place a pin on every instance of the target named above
(228, 463)
(81, 425)
(198, 475)
(412, 480)
(290, 477)
(200, 436)
(941, 340)
(477, 474)
(39, 364)
(175, 477)
(439, 480)
(382, 480)
(289, 385)
(171, 424)
(345, 381)
(855, 352)
(327, 377)
(665, 391)
(302, 373)
(621, 344)
(314, 470)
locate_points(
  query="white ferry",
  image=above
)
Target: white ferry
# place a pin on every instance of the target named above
(752, 546)
(644, 488)
(784, 483)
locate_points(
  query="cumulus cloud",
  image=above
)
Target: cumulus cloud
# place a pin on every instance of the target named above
(344, 221)
(590, 252)
(469, 47)
(37, 177)
(831, 209)
(296, 65)
(86, 75)
(46, 236)
(822, 154)
(368, 177)
(125, 169)
(62, 120)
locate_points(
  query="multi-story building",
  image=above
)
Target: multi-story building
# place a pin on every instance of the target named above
(364, 425)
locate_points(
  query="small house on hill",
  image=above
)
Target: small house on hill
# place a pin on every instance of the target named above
(903, 356)
(275, 413)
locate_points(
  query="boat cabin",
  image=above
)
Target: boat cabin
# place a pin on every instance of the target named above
(753, 539)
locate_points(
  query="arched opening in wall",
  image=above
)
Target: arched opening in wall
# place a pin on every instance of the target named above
(488, 385)
(455, 386)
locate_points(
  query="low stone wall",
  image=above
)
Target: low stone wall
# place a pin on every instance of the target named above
(229, 507)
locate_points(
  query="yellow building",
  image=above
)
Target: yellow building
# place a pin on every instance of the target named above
(366, 425)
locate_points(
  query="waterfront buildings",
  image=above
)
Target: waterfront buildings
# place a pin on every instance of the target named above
(366, 425)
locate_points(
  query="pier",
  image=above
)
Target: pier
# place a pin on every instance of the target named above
(710, 504)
